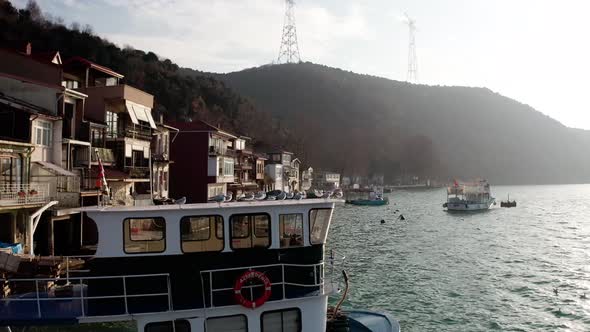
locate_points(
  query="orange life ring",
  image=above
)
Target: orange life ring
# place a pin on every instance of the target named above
(249, 275)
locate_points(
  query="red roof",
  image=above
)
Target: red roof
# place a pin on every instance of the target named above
(199, 125)
(93, 65)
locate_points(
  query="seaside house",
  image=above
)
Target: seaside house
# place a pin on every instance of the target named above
(283, 170)
(203, 161)
(306, 179)
(41, 112)
(161, 161)
(326, 180)
(120, 117)
(245, 171)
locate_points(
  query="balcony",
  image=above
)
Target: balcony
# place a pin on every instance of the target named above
(107, 157)
(121, 92)
(23, 194)
(160, 157)
(137, 172)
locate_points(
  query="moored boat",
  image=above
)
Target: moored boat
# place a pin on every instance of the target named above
(248, 266)
(475, 196)
(376, 198)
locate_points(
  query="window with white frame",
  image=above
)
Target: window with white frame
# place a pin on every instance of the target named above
(43, 132)
(237, 323)
(228, 167)
(111, 124)
(287, 320)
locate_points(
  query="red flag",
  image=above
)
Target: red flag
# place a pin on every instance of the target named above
(101, 181)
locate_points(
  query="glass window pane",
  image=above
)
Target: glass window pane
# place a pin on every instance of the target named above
(195, 228)
(319, 220)
(144, 235)
(250, 231)
(179, 326)
(282, 321)
(197, 235)
(240, 227)
(291, 230)
(261, 226)
(237, 323)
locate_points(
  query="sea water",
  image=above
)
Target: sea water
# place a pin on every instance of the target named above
(508, 269)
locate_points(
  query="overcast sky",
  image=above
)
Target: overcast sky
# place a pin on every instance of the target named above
(535, 51)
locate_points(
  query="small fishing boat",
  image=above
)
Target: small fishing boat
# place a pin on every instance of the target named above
(475, 196)
(375, 198)
(508, 203)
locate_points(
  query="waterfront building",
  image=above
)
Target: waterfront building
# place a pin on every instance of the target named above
(161, 161)
(326, 180)
(203, 161)
(126, 114)
(307, 179)
(245, 167)
(289, 180)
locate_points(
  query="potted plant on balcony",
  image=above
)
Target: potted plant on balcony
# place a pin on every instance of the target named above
(22, 194)
(33, 192)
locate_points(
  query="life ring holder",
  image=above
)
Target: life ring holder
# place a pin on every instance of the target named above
(241, 281)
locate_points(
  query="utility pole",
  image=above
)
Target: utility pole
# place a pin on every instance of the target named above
(412, 75)
(289, 50)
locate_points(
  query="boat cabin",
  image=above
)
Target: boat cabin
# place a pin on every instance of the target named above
(247, 266)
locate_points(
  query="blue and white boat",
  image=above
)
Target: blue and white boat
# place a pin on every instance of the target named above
(235, 266)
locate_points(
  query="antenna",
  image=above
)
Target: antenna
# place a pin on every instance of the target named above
(289, 50)
(412, 75)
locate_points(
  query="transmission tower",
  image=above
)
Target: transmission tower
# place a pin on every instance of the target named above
(412, 75)
(289, 51)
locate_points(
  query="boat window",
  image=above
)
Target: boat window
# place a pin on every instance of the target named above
(201, 233)
(288, 320)
(319, 220)
(250, 230)
(179, 326)
(144, 235)
(291, 230)
(237, 323)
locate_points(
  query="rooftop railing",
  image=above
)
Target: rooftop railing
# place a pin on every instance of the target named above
(23, 194)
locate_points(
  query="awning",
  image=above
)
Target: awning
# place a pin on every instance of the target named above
(141, 113)
(55, 169)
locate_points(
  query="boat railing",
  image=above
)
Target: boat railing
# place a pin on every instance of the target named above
(288, 281)
(57, 299)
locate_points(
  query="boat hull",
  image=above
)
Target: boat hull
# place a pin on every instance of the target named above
(367, 202)
(469, 206)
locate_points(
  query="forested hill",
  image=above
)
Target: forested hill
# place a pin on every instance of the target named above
(177, 96)
(363, 123)
(330, 118)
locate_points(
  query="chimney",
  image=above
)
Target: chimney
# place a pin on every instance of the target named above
(28, 48)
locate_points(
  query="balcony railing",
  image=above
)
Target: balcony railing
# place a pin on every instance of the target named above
(22, 194)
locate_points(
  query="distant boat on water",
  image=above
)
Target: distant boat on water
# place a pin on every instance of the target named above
(474, 196)
(375, 198)
(508, 203)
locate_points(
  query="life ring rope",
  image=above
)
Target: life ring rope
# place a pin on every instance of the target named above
(241, 281)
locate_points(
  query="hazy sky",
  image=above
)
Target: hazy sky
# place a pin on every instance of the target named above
(535, 51)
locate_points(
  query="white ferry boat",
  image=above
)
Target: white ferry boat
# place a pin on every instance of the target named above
(474, 196)
(240, 266)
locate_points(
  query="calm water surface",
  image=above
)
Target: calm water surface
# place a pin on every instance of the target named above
(494, 270)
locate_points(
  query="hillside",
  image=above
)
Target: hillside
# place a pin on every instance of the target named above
(356, 124)
(177, 96)
(360, 123)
